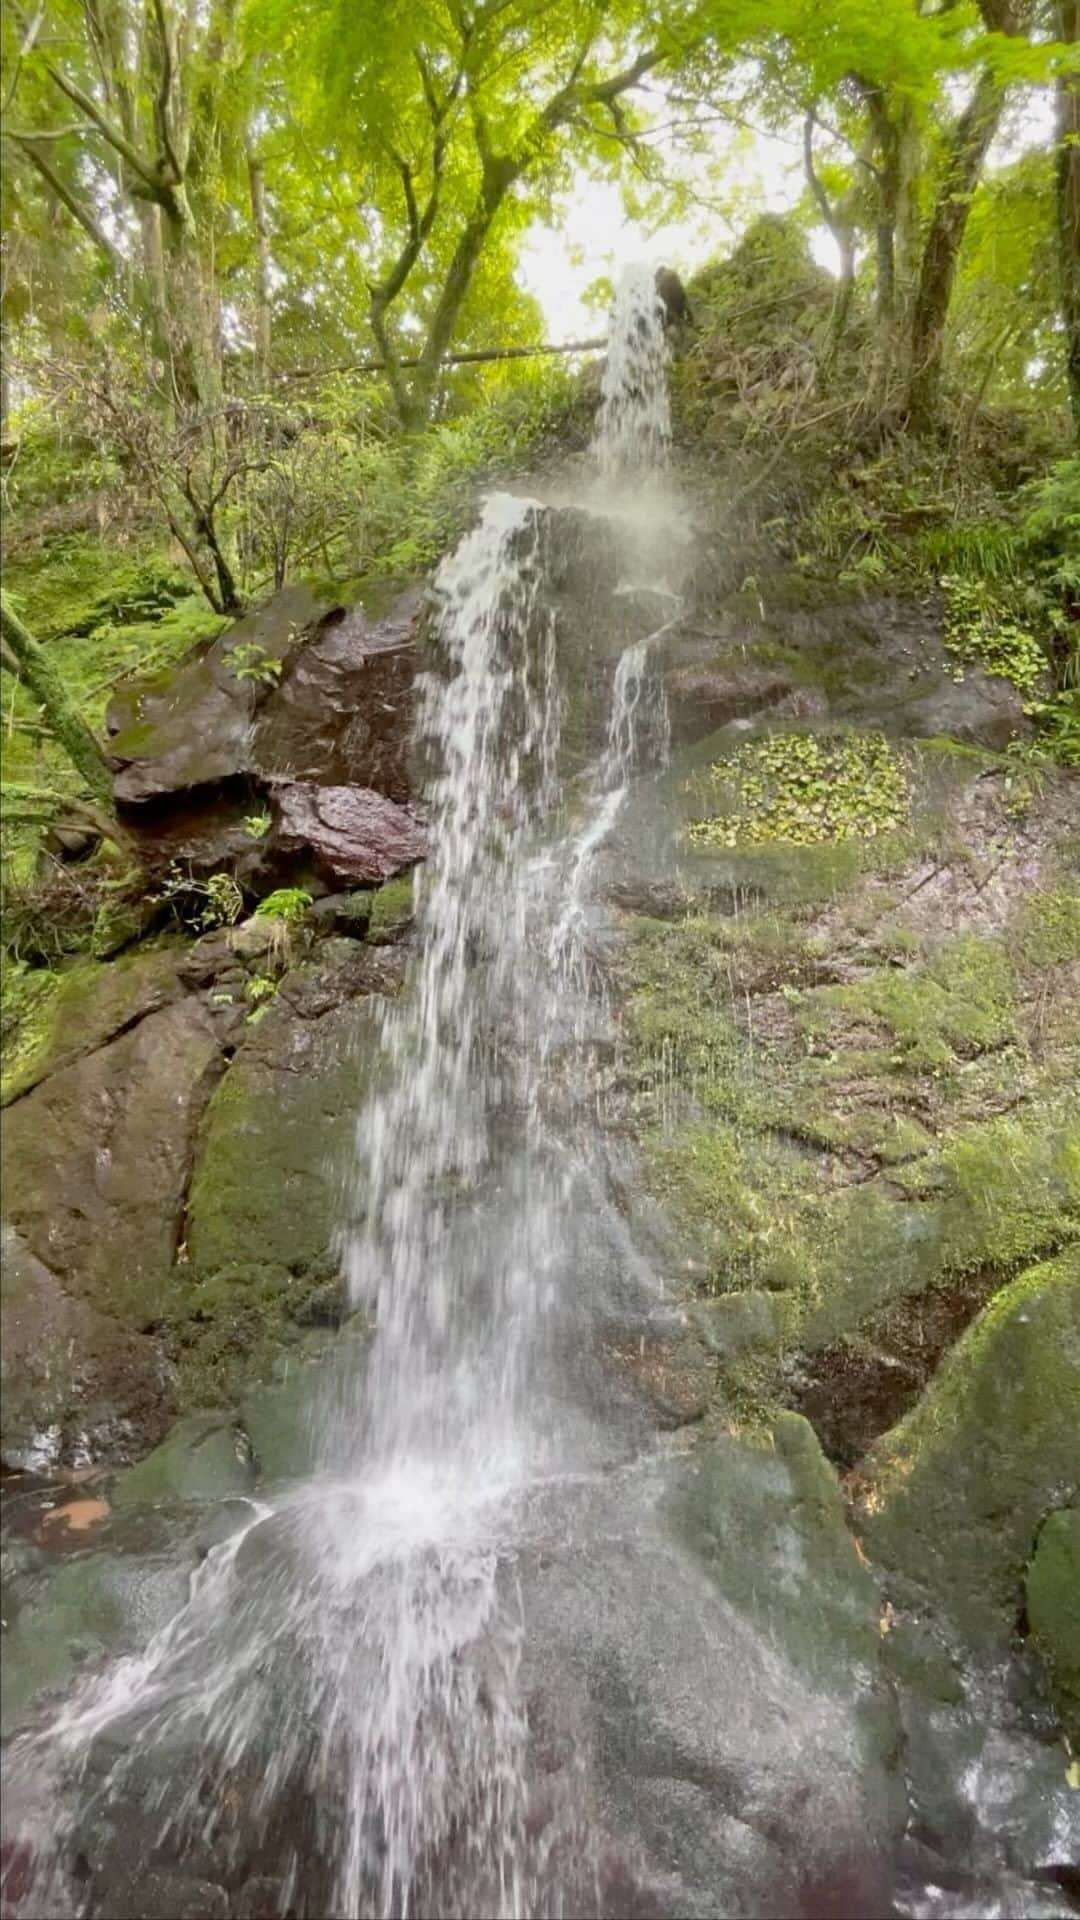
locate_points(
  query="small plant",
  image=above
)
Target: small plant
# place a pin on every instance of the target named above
(250, 661)
(287, 908)
(205, 904)
(257, 825)
(290, 904)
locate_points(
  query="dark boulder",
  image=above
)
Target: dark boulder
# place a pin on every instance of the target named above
(354, 833)
(343, 711)
(192, 725)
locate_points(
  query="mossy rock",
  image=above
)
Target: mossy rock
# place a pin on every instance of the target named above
(769, 1526)
(957, 1491)
(392, 908)
(273, 1179)
(96, 1161)
(84, 1006)
(202, 1459)
(1053, 1609)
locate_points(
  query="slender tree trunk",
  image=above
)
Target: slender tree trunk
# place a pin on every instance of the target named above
(972, 136)
(62, 716)
(499, 178)
(1068, 203)
(198, 370)
(257, 187)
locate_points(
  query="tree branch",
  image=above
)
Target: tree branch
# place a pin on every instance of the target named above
(164, 94)
(146, 171)
(28, 145)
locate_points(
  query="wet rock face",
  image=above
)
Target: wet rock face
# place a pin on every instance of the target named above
(343, 711)
(76, 1385)
(171, 1181)
(870, 662)
(353, 833)
(290, 694)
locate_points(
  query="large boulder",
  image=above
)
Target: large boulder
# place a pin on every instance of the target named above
(192, 726)
(96, 1161)
(955, 1495)
(76, 1385)
(292, 693)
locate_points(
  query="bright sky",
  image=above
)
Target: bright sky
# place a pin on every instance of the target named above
(764, 173)
(595, 237)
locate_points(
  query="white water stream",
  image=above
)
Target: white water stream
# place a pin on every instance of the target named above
(358, 1644)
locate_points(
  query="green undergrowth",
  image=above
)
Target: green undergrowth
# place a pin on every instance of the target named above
(839, 1144)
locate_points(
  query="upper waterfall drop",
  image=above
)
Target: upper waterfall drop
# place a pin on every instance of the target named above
(633, 430)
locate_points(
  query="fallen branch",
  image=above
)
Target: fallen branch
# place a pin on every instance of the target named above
(470, 357)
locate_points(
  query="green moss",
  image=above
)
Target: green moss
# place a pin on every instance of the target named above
(391, 909)
(239, 1322)
(1011, 1189)
(1051, 1589)
(956, 1004)
(742, 1200)
(1047, 928)
(80, 1008)
(803, 789)
(960, 1487)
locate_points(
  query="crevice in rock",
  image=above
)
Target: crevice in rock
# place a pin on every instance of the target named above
(857, 1388)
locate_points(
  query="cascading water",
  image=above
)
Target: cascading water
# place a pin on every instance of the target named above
(358, 1645)
(634, 427)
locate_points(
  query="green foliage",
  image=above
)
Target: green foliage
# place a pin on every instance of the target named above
(804, 789)
(249, 661)
(980, 631)
(290, 904)
(216, 901)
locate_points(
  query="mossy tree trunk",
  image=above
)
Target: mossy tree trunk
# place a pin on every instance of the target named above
(62, 716)
(1068, 202)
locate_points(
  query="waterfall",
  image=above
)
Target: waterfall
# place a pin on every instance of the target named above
(453, 1324)
(357, 1645)
(634, 427)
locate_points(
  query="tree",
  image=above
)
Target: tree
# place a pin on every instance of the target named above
(26, 657)
(966, 148)
(1067, 162)
(448, 127)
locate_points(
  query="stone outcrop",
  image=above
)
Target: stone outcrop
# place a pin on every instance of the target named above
(174, 1160)
(352, 833)
(291, 701)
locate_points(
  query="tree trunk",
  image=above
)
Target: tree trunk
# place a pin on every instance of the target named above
(64, 720)
(972, 136)
(499, 178)
(1068, 203)
(257, 187)
(195, 357)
